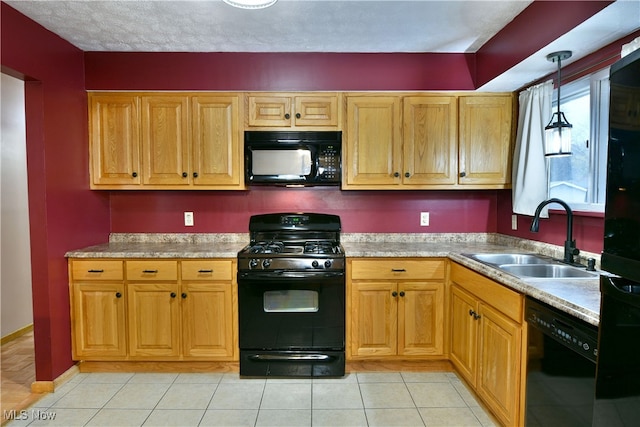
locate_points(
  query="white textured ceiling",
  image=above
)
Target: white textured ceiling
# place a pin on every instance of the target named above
(453, 26)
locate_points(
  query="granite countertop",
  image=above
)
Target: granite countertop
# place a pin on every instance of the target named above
(578, 297)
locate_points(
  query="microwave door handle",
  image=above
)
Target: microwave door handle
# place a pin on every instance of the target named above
(289, 141)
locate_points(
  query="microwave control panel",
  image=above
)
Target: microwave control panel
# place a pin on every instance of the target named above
(329, 162)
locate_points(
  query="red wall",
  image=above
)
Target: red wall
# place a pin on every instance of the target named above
(63, 213)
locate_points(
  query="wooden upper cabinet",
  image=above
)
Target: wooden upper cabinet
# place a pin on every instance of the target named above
(485, 140)
(293, 110)
(114, 139)
(216, 141)
(372, 146)
(430, 140)
(165, 140)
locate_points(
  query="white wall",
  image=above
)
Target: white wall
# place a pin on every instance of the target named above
(15, 251)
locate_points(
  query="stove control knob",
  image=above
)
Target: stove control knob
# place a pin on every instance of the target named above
(253, 263)
(327, 263)
(266, 263)
(315, 264)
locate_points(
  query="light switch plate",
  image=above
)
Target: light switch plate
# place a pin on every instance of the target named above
(188, 219)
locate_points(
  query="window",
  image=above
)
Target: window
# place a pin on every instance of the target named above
(580, 179)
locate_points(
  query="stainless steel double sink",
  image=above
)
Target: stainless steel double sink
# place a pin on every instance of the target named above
(533, 266)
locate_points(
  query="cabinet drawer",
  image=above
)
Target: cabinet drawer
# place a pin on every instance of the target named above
(207, 270)
(96, 269)
(152, 270)
(397, 269)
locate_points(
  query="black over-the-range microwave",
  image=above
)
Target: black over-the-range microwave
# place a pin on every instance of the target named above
(292, 158)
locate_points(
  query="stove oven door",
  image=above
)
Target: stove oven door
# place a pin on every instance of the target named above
(291, 323)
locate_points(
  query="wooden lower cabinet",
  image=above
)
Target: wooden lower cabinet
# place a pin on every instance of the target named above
(154, 310)
(396, 308)
(487, 341)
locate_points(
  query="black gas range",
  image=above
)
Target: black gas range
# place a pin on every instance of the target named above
(291, 296)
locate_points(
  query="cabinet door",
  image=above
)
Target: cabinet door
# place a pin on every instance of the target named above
(430, 151)
(485, 139)
(207, 320)
(99, 321)
(216, 141)
(374, 319)
(464, 333)
(269, 110)
(115, 139)
(499, 363)
(154, 319)
(165, 140)
(373, 152)
(420, 318)
(320, 110)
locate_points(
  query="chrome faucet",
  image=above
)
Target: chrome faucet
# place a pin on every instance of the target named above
(569, 245)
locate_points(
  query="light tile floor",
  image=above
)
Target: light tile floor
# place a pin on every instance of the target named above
(358, 399)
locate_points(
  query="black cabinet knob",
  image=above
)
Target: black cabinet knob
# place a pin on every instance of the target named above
(173, 295)
(184, 295)
(118, 295)
(184, 174)
(135, 174)
(195, 174)
(463, 174)
(298, 115)
(397, 174)
(407, 174)
(394, 294)
(401, 293)
(287, 116)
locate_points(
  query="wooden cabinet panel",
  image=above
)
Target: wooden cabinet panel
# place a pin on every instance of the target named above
(216, 140)
(272, 111)
(485, 139)
(463, 334)
(397, 269)
(372, 146)
(153, 270)
(374, 319)
(430, 149)
(316, 110)
(98, 323)
(96, 269)
(207, 320)
(293, 110)
(207, 270)
(115, 139)
(165, 140)
(420, 318)
(154, 320)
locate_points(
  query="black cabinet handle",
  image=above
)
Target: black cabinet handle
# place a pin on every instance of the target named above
(471, 312)
(184, 174)
(463, 174)
(394, 294)
(184, 295)
(298, 115)
(475, 315)
(195, 174)
(401, 293)
(287, 116)
(135, 174)
(95, 271)
(407, 174)
(149, 271)
(397, 174)
(398, 270)
(173, 295)
(205, 271)
(118, 295)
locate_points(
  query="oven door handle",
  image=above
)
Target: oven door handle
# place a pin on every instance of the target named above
(276, 274)
(291, 358)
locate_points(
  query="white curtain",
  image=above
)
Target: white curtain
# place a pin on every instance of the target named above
(530, 186)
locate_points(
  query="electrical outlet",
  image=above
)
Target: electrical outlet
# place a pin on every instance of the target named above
(424, 219)
(514, 222)
(188, 219)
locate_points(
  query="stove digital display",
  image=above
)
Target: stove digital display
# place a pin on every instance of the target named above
(295, 220)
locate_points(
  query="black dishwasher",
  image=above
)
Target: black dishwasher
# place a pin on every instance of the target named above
(561, 367)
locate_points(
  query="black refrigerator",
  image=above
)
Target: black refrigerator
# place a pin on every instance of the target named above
(617, 400)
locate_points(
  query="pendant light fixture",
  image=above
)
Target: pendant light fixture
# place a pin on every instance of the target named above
(250, 4)
(557, 141)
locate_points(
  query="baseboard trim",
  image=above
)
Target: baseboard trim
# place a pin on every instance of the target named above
(16, 334)
(140, 366)
(50, 386)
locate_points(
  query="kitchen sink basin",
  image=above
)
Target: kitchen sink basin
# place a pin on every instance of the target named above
(501, 258)
(550, 271)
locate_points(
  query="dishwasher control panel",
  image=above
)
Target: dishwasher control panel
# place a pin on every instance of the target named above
(569, 331)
